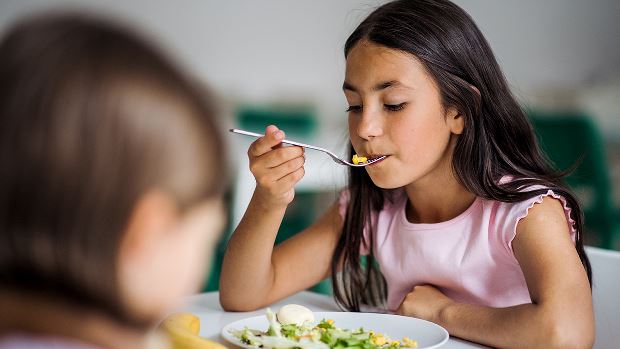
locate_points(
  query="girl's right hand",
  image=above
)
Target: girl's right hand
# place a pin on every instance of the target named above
(276, 168)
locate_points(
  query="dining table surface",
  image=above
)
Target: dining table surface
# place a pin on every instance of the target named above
(213, 318)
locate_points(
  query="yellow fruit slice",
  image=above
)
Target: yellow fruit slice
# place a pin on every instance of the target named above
(183, 330)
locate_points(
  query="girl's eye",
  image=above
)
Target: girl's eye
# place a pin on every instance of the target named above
(394, 107)
(354, 109)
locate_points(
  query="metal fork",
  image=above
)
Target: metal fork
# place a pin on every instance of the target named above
(332, 155)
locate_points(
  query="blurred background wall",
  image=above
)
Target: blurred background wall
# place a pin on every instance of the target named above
(284, 57)
(554, 52)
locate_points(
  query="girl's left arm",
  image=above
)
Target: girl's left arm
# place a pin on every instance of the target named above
(560, 315)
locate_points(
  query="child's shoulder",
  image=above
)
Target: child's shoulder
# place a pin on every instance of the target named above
(512, 212)
(505, 216)
(538, 193)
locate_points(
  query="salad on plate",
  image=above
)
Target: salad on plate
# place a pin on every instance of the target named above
(294, 327)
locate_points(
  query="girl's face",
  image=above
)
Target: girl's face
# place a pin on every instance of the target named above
(395, 110)
(166, 253)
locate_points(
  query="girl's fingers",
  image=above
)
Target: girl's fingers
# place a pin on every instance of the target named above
(288, 167)
(268, 176)
(275, 168)
(264, 165)
(280, 156)
(292, 178)
(273, 136)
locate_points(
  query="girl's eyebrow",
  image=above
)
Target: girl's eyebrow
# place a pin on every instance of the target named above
(378, 87)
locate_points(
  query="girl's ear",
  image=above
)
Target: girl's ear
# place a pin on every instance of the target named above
(455, 120)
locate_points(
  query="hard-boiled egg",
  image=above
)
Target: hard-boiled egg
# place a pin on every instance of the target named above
(294, 314)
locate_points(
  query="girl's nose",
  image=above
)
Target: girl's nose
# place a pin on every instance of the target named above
(369, 125)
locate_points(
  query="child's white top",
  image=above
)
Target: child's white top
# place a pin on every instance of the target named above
(469, 258)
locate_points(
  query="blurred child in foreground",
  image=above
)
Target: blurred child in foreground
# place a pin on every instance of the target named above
(109, 187)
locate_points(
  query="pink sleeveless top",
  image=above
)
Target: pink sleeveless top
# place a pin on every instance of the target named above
(469, 258)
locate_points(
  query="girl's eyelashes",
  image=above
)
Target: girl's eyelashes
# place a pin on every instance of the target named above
(395, 107)
(354, 109)
(388, 107)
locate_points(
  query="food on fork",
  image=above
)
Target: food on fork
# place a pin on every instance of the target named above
(294, 314)
(359, 159)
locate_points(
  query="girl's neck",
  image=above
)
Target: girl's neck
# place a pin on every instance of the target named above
(28, 314)
(435, 200)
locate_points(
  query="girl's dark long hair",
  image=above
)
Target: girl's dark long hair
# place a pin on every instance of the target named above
(497, 140)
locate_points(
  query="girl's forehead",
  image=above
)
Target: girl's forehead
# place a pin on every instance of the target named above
(369, 63)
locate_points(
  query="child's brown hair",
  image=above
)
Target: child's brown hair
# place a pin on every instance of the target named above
(91, 117)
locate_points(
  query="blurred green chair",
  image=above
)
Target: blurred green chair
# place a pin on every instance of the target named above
(297, 120)
(570, 138)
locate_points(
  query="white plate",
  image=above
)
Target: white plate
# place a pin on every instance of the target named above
(429, 335)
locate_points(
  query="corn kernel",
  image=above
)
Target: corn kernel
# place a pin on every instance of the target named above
(408, 343)
(359, 159)
(379, 340)
(330, 321)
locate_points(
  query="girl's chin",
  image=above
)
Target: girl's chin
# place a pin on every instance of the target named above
(385, 182)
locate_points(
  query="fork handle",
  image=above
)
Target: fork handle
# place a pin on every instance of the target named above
(286, 141)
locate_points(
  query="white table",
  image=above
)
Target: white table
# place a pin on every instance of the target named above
(213, 318)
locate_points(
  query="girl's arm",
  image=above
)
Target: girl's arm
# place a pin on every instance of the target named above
(560, 315)
(254, 273)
